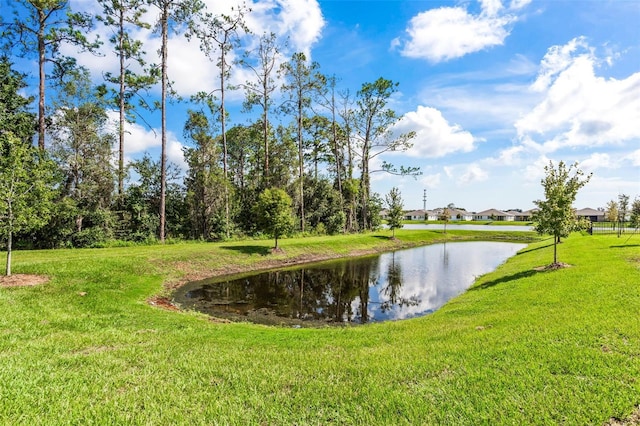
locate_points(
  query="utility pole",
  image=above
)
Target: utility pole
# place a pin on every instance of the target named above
(424, 201)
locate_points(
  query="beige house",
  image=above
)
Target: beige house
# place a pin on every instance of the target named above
(591, 214)
(494, 214)
(415, 215)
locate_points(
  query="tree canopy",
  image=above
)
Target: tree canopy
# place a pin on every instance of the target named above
(273, 213)
(394, 215)
(25, 191)
(556, 215)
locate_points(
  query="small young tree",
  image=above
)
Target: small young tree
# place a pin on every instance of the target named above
(444, 216)
(394, 204)
(635, 214)
(273, 213)
(623, 207)
(611, 213)
(556, 215)
(25, 189)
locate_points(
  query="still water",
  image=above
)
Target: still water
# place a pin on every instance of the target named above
(468, 227)
(392, 286)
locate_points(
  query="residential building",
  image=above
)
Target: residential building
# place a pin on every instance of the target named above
(591, 214)
(494, 214)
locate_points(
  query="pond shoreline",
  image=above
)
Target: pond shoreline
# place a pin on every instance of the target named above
(397, 285)
(163, 299)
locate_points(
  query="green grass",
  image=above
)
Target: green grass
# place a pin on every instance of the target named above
(520, 347)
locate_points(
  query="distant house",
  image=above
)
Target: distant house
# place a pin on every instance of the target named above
(458, 214)
(516, 214)
(384, 214)
(494, 214)
(454, 214)
(431, 215)
(591, 214)
(415, 215)
(526, 216)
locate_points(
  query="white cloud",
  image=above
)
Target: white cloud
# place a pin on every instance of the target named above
(449, 171)
(474, 173)
(580, 108)
(299, 21)
(634, 158)
(508, 157)
(490, 7)
(430, 181)
(139, 139)
(534, 171)
(174, 152)
(435, 137)
(597, 161)
(518, 4)
(557, 60)
(451, 32)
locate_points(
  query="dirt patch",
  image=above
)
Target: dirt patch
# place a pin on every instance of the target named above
(552, 267)
(633, 419)
(163, 303)
(22, 280)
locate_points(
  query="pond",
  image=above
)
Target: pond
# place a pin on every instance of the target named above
(391, 286)
(468, 227)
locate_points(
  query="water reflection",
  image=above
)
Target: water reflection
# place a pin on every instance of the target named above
(391, 286)
(467, 227)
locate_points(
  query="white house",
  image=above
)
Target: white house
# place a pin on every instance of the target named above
(494, 214)
(457, 214)
(415, 215)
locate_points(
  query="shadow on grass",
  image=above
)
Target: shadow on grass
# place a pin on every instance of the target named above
(534, 249)
(506, 279)
(625, 246)
(382, 237)
(261, 250)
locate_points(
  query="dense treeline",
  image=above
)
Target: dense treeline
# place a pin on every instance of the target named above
(301, 134)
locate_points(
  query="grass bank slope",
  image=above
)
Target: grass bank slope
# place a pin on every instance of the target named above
(521, 347)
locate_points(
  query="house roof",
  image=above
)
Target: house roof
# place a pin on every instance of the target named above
(529, 212)
(454, 212)
(415, 213)
(589, 212)
(494, 212)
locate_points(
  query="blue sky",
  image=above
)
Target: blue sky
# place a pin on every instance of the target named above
(494, 89)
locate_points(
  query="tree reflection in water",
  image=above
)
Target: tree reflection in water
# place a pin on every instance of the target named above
(397, 285)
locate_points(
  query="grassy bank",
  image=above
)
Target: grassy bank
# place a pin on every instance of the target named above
(521, 347)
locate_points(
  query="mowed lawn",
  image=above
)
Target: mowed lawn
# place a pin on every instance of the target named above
(523, 346)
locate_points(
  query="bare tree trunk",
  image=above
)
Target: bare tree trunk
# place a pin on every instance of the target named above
(163, 158)
(223, 122)
(42, 78)
(301, 163)
(265, 135)
(9, 242)
(121, 106)
(365, 185)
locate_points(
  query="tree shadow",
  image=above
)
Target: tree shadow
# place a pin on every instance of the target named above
(259, 250)
(506, 279)
(383, 237)
(529, 250)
